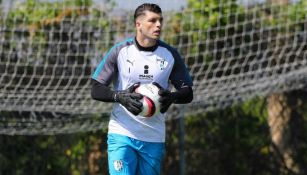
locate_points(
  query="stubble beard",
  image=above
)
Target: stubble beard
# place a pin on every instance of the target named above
(148, 36)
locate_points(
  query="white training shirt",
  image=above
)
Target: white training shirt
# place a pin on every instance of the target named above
(127, 63)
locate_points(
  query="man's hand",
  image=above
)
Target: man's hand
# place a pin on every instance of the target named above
(129, 99)
(166, 99)
(181, 96)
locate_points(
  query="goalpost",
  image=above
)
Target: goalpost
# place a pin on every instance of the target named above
(49, 50)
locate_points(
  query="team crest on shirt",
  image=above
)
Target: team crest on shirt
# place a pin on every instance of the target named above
(162, 63)
(118, 165)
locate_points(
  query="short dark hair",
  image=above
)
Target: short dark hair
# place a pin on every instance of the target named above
(140, 10)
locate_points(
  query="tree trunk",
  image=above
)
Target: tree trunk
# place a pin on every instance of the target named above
(94, 158)
(287, 130)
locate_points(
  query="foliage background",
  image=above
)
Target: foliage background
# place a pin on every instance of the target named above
(231, 141)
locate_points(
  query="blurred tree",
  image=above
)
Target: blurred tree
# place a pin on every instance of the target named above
(287, 130)
(285, 121)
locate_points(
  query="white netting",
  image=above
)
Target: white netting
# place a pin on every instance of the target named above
(49, 50)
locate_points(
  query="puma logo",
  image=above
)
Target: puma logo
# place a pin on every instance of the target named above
(131, 62)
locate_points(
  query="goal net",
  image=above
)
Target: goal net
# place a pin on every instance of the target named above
(49, 49)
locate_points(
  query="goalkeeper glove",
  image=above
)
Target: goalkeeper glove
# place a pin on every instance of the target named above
(129, 99)
(166, 99)
(182, 96)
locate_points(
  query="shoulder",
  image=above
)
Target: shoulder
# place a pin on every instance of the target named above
(167, 46)
(118, 46)
(170, 48)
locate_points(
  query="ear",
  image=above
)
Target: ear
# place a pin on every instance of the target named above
(138, 24)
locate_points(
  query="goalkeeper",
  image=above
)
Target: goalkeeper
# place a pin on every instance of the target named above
(136, 143)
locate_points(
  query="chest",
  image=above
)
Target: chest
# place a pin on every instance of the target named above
(145, 67)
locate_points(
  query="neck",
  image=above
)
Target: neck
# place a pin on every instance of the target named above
(146, 49)
(146, 42)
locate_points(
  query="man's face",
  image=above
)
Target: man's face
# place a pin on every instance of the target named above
(149, 25)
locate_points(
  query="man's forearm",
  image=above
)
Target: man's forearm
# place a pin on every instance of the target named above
(102, 92)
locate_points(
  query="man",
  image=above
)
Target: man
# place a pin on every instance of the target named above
(135, 142)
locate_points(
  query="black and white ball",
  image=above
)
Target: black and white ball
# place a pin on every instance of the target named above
(151, 105)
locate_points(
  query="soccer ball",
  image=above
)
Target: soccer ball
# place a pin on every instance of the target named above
(151, 105)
